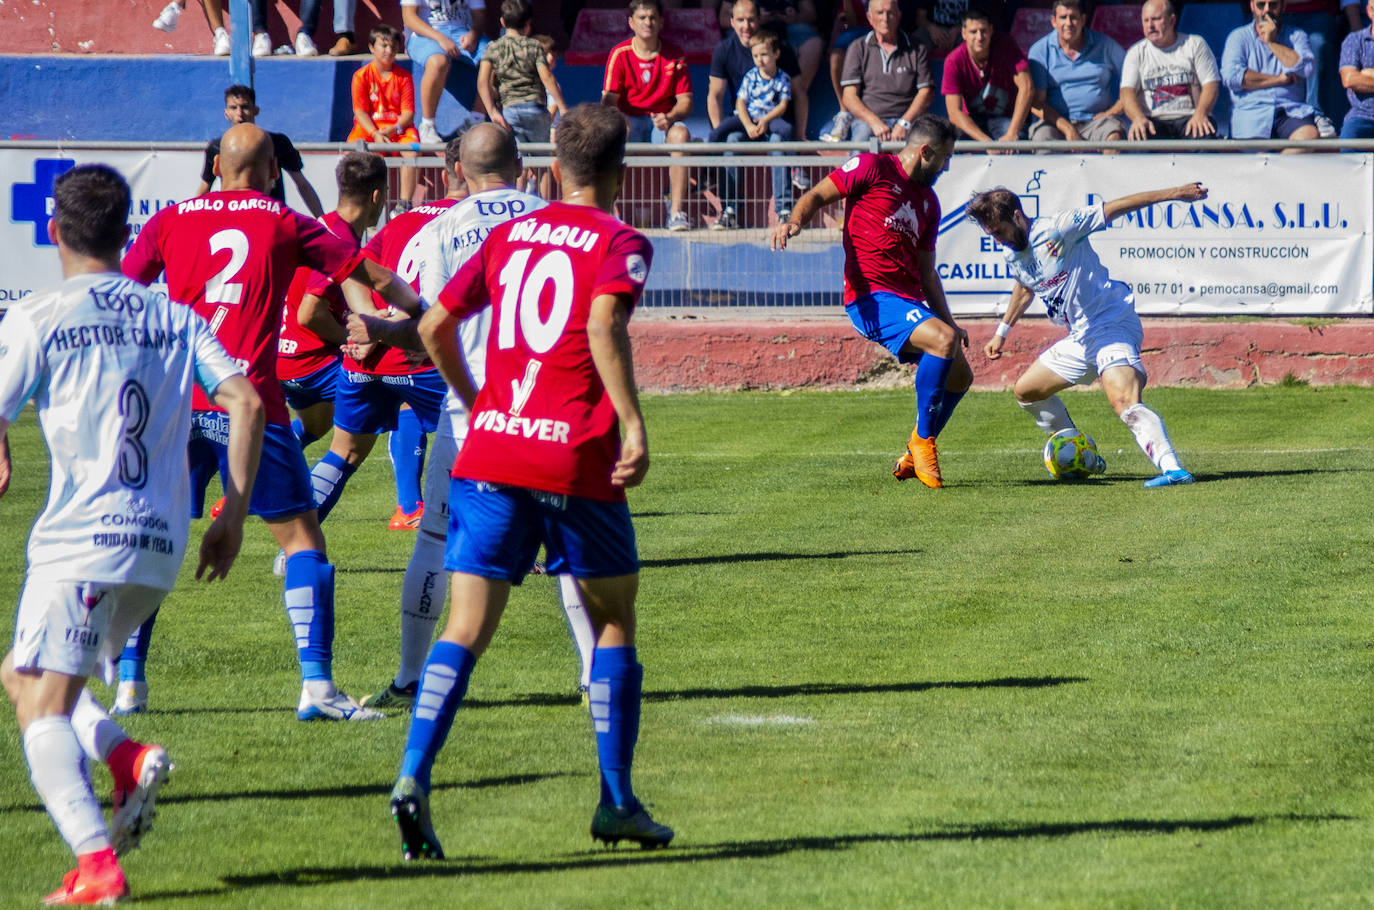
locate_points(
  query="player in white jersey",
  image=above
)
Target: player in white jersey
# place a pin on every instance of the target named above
(490, 166)
(109, 365)
(1051, 256)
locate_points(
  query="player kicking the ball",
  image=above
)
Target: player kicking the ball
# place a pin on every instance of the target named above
(109, 365)
(1051, 256)
(892, 293)
(544, 461)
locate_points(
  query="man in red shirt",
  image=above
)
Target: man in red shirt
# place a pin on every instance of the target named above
(892, 293)
(229, 255)
(544, 461)
(647, 81)
(312, 324)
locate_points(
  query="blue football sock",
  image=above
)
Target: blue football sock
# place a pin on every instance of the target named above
(407, 447)
(135, 653)
(931, 374)
(443, 683)
(948, 402)
(328, 478)
(310, 606)
(614, 694)
(302, 434)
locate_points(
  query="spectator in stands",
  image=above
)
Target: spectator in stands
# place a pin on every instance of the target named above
(987, 83)
(1169, 82)
(516, 85)
(851, 24)
(647, 80)
(442, 32)
(1265, 65)
(941, 22)
(795, 22)
(1077, 76)
(170, 16)
(760, 108)
(240, 106)
(1357, 75)
(1325, 22)
(343, 28)
(384, 104)
(887, 80)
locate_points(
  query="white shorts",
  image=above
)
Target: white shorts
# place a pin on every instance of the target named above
(1079, 364)
(67, 626)
(443, 449)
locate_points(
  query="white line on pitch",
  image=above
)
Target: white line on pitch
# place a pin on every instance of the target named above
(759, 720)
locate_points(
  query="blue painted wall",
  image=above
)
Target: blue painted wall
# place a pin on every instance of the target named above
(181, 98)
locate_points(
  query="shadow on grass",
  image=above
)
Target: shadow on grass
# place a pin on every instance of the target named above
(731, 558)
(378, 791)
(735, 850)
(798, 689)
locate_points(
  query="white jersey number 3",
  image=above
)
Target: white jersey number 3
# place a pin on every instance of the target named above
(521, 293)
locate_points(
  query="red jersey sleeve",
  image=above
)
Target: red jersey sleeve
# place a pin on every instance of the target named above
(926, 243)
(682, 78)
(405, 89)
(466, 291)
(618, 73)
(361, 101)
(625, 267)
(854, 175)
(143, 263)
(322, 250)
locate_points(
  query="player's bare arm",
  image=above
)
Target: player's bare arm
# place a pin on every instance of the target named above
(388, 285)
(308, 194)
(313, 313)
(395, 329)
(1021, 297)
(608, 337)
(1188, 192)
(4, 456)
(935, 293)
(439, 332)
(220, 546)
(812, 201)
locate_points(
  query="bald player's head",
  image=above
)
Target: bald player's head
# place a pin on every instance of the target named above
(488, 151)
(245, 158)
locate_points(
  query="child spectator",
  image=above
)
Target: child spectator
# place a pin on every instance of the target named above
(514, 79)
(760, 106)
(384, 103)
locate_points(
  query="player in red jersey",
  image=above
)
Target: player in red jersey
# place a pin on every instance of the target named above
(544, 460)
(312, 323)
(389, 391)
(229, 255)
(892, 293)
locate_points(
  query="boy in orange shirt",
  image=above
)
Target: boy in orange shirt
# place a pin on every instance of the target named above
(384, 103)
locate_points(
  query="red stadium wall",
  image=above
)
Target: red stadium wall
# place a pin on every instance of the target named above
(674, 355)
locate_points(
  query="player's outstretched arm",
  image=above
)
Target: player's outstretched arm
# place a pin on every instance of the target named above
(388, 285)
(395, 329)
(439, 332)
(1188, 192)
(608, 336)
(812, 201)
(220, 546)
(1021, 297)
(4, 456)
(308, 194)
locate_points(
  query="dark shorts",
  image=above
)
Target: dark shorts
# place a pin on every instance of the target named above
(314, 389)
(1285, 126)
(888, 319)
(282, 487)
(495, 531)
(368, 404)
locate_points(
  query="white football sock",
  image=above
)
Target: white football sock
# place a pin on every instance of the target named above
(57, 767)
(94, 729)
(422, 603)
(579, 624)
(1050, 415)
(1151, 436)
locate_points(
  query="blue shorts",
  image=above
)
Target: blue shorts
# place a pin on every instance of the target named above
(282, 487)
(314, 389)
(642, 129)
(368, 404)
(494, 531)
(420, 49)
(530, 122)
(888, 319)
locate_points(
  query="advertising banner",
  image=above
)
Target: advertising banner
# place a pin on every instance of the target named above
(1277, 234)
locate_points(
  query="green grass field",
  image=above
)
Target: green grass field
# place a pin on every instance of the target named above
(859, 693)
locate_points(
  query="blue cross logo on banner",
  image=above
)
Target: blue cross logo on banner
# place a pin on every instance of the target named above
(34, 201)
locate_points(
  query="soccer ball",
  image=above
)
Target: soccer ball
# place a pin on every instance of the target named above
(1071, 454)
